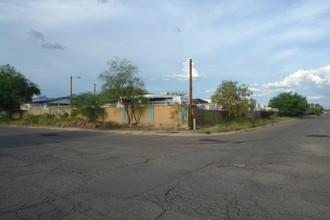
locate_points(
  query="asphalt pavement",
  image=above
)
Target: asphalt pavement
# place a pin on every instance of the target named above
(277, 172)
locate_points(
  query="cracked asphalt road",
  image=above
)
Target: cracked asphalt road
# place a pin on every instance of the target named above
(279, 172)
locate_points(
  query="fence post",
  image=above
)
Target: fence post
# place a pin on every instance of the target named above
(123, 115)
(152, 113)
(184, 114)
(194, 123)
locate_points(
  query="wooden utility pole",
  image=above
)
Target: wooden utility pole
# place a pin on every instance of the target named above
(94, 88)
(71, 88)
(70, 91)
(190, 96)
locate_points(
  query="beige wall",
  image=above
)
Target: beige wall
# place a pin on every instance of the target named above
(113, 114)
(162, 114)
(142, 116)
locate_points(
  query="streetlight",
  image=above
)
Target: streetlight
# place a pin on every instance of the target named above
(78, 77)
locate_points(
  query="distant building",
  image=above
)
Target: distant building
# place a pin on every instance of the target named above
(163, 99)
(261, 107)
(43, 102)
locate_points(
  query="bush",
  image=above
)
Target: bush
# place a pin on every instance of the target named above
(32, 118)
(315, 109)
(245, 125)
(266, 114)
(4, 117)
(65, 115)
(289, 104)
(89, 106)
(48, 116)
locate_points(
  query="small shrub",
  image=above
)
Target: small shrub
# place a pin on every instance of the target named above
(245, 124)
(206, 119)
(74, 114)
(4, 117)
(48, 116)
(111, 125)
(266, 114)
(65, 115)
(31, 118)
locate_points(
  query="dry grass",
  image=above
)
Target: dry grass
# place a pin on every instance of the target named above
(243, 125)
(48, 120)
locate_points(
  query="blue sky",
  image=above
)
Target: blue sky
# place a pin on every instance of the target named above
(273, 46)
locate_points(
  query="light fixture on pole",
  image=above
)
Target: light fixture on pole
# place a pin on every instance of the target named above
(78, 77)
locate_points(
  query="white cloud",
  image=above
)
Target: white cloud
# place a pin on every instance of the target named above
(259, 95)
(304, 82)
(315, 97)
(320, 77)
(255, 89)
(254, 84)
(210, 91)
(185, 74)
(269, 91)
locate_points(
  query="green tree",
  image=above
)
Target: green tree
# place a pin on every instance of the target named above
(319, 109)
(179, 93)
(315, 109)
(234, 99)
(15, 90)
(289, 104)
(122, 84)
(88, 105)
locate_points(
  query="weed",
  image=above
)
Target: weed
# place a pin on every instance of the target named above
(244, 125)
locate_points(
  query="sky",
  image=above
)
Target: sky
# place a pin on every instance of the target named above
(273, 46)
